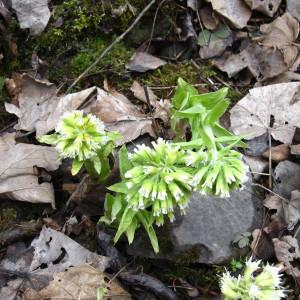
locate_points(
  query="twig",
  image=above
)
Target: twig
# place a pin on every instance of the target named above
(154, 21)
(270, 191)
(117, 40)
(270, 159)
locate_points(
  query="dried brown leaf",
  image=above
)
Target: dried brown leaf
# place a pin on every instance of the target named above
(40, 109)
(268, 7)
(281, 34)
(143, 62)
(252, 115)
(209, 18)
(18, 179)
(236, 11)
(262, 245)
(80, 282)
(278, 153)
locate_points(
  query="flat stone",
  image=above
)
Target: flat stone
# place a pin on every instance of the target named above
(206, 232)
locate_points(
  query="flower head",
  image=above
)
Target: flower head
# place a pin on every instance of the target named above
(80, 137)
(266, 285)
(160, 178)
(216, 173)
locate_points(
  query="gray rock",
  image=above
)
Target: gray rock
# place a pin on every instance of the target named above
(206, 232)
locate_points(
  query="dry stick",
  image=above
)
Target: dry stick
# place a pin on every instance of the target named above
(270, 191)
(270, 159)
(117, 40)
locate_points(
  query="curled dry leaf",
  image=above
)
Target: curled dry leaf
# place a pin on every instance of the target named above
(262, 63)
(59, 252)
(268, 7)
(40, 109)
(281, 34)
(278, 153)
(18, 179)
(236, 11)
(253, 115)
(161, 108)
(80, 282)
(119, 114)
(143, 62)
(32, 14)
(262, 245)
(209, 18)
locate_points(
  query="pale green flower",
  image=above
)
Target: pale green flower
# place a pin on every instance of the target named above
(158, 180)
(217, 173)
(267, 285)
(82, 138)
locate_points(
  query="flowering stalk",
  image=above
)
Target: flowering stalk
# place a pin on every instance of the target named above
(83, 139)
(264, 286)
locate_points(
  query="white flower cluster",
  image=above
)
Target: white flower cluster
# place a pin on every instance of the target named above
(159, 179)
(267, 285)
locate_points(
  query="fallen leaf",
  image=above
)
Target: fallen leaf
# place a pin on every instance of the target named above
(236, 11)
(278, 153)
(32, 14)
(262, 245)
(139, 93)
(286, 249)
(119, 114)
(293, 7)
(281, 34)
(59, 252)
(161, 108)
(268, 7)
(18, 179)
(143, 62)
(295, 149)
(40, 109)
(263, 63)
(208, 17)
(80, 282)
(252, 115)
(214, 43)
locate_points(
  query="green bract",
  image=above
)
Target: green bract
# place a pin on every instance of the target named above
(264, 286)
(83, 138)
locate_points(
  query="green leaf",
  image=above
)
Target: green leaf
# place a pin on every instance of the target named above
(217, 111)
(194, 110)
(101, 293)
(97, 164)
(182, 93)
(221, 132)
(116, 206)
(119, 187)
(124, 162)
(209, 100)
(146, 221)
(76, 166)
(50, 139)
(125, 222)
(131, 230)
(204, 38)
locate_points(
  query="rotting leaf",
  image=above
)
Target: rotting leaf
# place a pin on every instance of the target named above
(119, 114)
(236, 11)
(81, 282)
(40, 109)
(143, 62)
(252, 116)
(18, 179)
(214, 43)
(33, 14)
(281, 34)
(268, 7)
(262, 245)
(59, 252)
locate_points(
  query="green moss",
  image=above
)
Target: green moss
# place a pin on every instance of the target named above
(91, 49)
